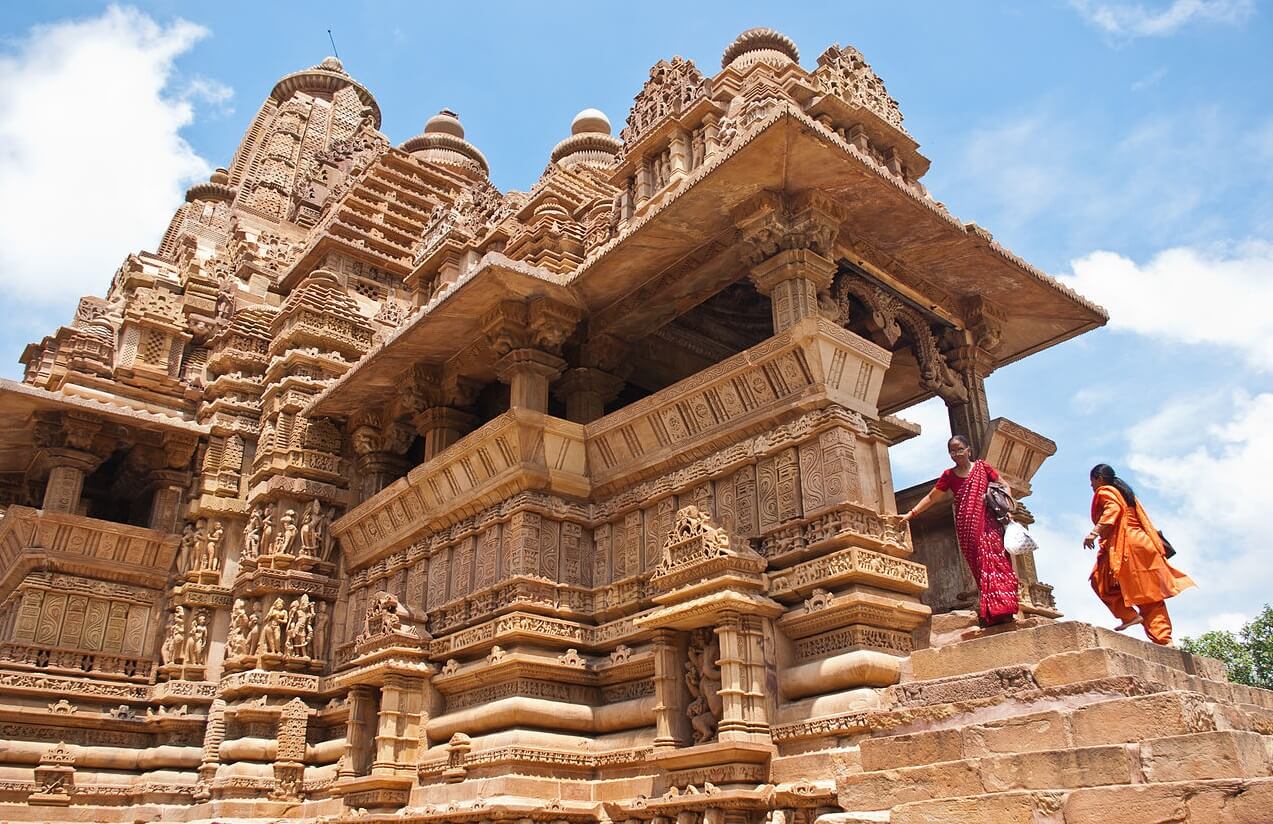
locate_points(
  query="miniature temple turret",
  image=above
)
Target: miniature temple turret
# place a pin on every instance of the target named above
(377, 491)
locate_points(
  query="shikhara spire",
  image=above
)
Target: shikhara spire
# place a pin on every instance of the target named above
(379, 489)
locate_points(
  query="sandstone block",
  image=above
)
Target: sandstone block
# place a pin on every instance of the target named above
(1180, 803)
(912, 750)
(888, 788)
(1222, 754)
(1145, 716)
(1060, 769)
(1027, 646)
(1008, 808)
(1029, 733)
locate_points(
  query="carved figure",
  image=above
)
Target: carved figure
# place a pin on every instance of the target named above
(200, 557)
(267, 529)
(326, 540)
(286, 543)
(272, 629)
(173, 646)
(196, 648)
(319, 641)
(236, 640)
(252, 535)
(185, 555)
(311, 524)
(254, 630)
(300, 628)
(702, 676)
(382, 615)
(212, 548)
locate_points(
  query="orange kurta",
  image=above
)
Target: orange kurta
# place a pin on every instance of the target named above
(1132, 558)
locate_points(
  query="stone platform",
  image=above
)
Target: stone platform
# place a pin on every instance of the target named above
(1061, 723)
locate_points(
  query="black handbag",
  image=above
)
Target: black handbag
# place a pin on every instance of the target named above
(1169, 551)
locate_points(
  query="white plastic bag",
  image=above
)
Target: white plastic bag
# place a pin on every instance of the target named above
(1016, 540)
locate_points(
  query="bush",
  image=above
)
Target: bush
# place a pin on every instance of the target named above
(1248, 654)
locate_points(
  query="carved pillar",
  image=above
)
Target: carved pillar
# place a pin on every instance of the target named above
(358, 732)
(380, 448)
(755, 698)
(679, 149)
(527, 339)
(67, 470)
(788, 240)
(792, 279)
(971, 417)
(399, 728)
(733, 680)
(669, 711)
(528, 372)
(166, 488)
(441, 426)
(586, 392)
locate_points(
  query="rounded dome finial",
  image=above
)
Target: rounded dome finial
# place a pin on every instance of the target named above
(760, 45)
(590, 121)
(331, 64)
(444, 122)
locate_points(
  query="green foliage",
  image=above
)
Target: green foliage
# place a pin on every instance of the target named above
(1248, 654)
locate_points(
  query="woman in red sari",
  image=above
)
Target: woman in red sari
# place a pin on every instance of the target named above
(1131, 576)
(980, 535)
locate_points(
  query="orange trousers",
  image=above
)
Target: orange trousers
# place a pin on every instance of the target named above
(1157, 621)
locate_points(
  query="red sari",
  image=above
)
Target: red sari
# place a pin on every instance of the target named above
(981, 542)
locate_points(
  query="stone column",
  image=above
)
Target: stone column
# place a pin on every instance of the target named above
(67, 470)
(441, 426)
(732, 724)
(528, 372)
(586, 393)
(669, 712)
(792, 279)
(788, 241)
(380, 447)
(167, 490)
(358, 732)
(755, 698)
(398, 733)
(971, 417)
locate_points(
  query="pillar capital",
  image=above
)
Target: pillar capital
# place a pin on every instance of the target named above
(528, 372)
(586, 392)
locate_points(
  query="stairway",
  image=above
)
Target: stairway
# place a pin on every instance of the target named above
(1065, 723)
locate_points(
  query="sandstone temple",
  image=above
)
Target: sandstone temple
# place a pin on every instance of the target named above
(377, 493)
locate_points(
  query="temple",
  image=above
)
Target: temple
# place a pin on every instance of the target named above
(375, 492)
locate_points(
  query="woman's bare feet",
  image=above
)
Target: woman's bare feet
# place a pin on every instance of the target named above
(1130, 622)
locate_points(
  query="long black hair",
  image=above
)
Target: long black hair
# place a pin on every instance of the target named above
(1106, 473)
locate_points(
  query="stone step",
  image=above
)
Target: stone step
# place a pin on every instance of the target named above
(1045, 769)
(1106, 721)
(1187, 802)
(1218, 754)
(1033, 644)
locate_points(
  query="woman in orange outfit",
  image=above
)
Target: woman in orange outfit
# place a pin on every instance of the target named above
(1131, 575)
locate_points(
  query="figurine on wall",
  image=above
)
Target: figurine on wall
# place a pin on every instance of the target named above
(311, 523)
(196, 648)
(267, 529)
(200, 559)
(321, 619)
(212, 549)
(702, 676)
(252, 535)
(174, 638)
(287, 538)
(254, 630)
(326, 540)
(185, 557)
(272, 629)
(300, 627)
(236, 640)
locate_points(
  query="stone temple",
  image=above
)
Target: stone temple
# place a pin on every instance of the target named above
(376, 492)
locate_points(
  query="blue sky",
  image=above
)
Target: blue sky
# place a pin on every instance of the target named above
(1124, 146)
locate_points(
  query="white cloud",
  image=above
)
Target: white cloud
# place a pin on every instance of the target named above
(923, 458)
(1188, 295)
(1124, 19)
(1152, 79)
(92, 162)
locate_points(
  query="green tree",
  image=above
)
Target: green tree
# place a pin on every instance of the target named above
(1248, 654)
